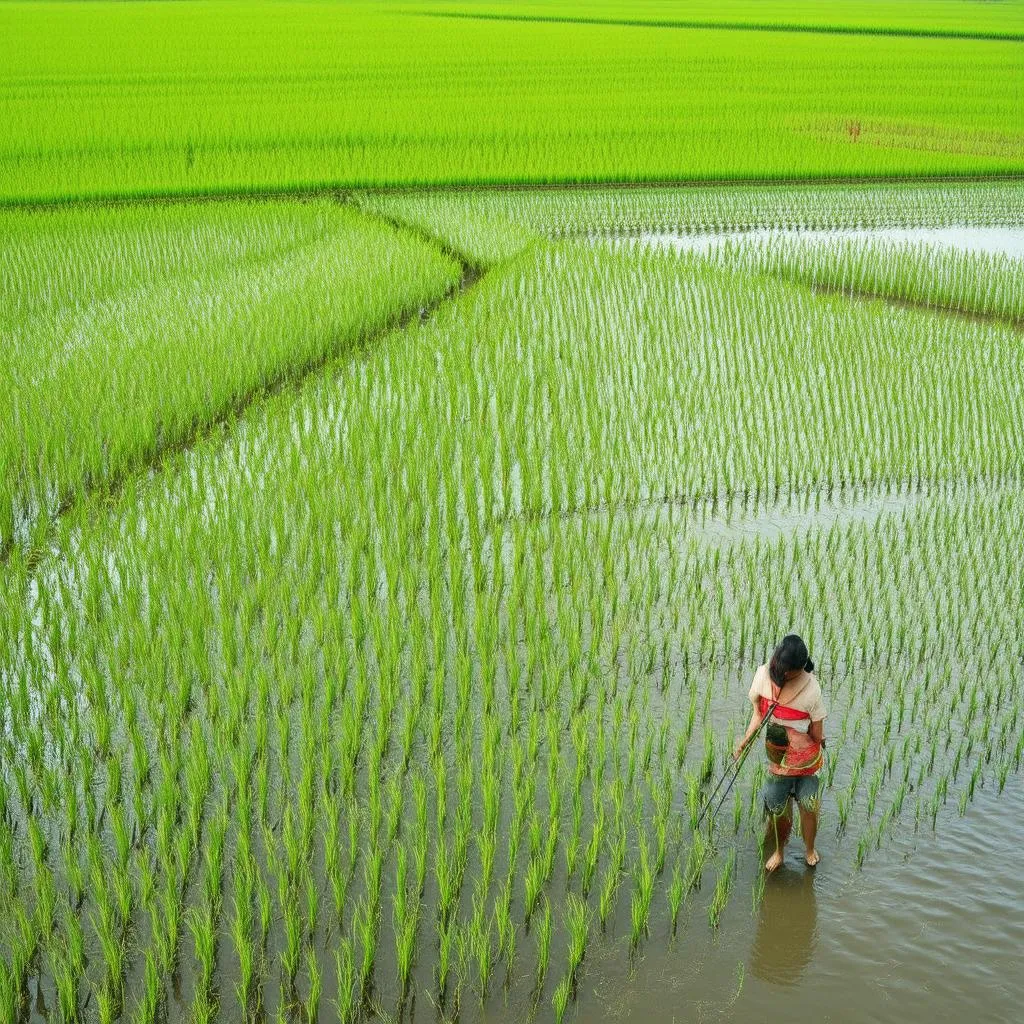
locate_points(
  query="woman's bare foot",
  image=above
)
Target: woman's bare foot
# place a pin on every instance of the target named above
(774, 861)
(812, 858)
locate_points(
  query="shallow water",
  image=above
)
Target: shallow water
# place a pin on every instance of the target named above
(931, 924)
(1006, 241)
(930, 929)
(777, 521)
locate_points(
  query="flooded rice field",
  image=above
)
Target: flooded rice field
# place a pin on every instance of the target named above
(400, 695)
(933, 929)
(993, 240)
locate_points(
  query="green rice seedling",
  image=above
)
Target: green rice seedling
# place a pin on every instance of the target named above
(447, 933)
(695, 861)
(150, 998)
(366, 926)
(107, 1007)
(74, 945)
(405, 942)
(862, 848)
(65, 982)
(577, 925)
(543, 944)
(844, 801)
(643, 891)
(346, 1003)
(550, 848)
(312, 1006)
(533, 885)
(9, 994)
(560, 998)
(503, 916)
(292, 950)
(963, 801)
(244, 950)
(200, 924)
(675, 895)
(593, 851)
(480, 938)
(723, 889)
(486, 846)
(693, 800)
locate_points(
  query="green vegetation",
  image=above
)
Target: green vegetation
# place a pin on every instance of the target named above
(382, 569)
(197, 97)
(955, 18)
(493, 224)
(413, 676)
(131, 330)
(930, 275)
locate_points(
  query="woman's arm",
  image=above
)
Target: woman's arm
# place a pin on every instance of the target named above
(816, 731)
(755, 723)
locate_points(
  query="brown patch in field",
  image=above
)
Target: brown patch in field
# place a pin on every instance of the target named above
(855, 131)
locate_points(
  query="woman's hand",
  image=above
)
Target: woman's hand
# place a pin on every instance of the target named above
(740, 744)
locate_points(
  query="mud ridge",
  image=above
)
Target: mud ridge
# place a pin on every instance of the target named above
(343, 192)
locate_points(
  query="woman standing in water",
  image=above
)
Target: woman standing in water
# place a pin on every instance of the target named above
(794, 739)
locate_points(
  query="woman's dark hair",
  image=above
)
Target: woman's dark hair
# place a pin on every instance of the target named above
(790, 654)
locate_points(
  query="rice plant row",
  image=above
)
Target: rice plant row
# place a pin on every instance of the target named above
(492, 224)
(412, 683)
(131, 329)
(944, 277)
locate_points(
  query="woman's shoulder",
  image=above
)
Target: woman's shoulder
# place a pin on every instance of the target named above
(761, 683)
(808, 697)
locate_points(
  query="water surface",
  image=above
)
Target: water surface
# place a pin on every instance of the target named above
(929, 930)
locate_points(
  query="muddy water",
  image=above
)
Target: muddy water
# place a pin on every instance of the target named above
(1006, 241)
(929, 930)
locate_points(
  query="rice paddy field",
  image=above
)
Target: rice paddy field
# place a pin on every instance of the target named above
(138, 98)
(383, 568)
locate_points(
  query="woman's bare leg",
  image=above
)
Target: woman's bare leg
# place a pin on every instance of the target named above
(809, 828)
(779, 826)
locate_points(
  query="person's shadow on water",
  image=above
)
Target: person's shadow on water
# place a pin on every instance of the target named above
(787, 928)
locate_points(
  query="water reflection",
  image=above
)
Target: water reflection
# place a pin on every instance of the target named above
(787, 928)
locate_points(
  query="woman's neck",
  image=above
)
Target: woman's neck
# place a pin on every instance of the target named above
(777, 688)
